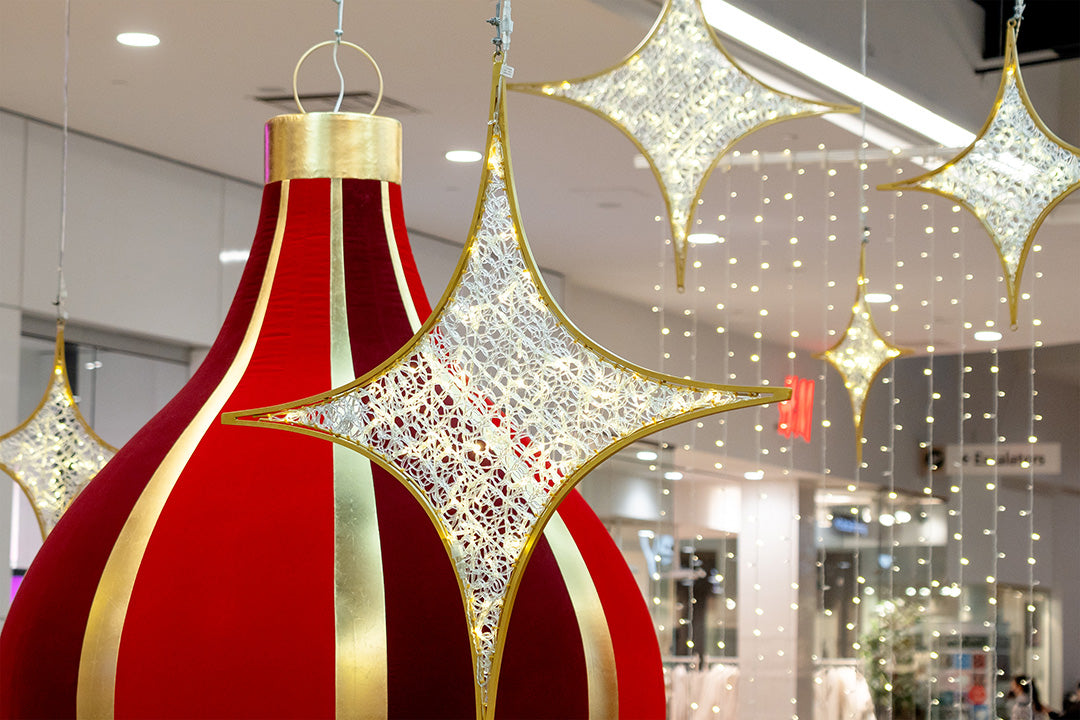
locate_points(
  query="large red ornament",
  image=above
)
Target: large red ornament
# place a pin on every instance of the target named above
(221, 571)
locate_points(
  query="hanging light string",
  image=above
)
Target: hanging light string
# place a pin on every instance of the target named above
(890, 583)
(61, 284)
(338, 32)
(931, 464)
(823, 378)
(959, 487)
(864, 230)
(692, 642)
(995, 484)
(861, 154)
(1031, 656)
(721, 444)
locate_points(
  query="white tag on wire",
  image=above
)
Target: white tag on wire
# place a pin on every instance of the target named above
(506, 71)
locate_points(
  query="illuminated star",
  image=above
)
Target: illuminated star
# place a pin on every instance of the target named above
(1013, 174)
(495, 409)
(684, 102)
(54, 453)
(861, 353)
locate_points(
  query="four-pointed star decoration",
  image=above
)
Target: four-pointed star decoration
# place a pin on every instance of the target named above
(684, 102)
(861, 353)
(1013, 174)
(496, 408)
(53, 454)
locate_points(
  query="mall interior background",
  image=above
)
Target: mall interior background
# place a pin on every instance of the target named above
(749, 546)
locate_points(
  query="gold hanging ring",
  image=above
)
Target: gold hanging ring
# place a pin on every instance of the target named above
(362, 51)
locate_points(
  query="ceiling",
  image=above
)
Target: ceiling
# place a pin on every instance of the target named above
(589, 212)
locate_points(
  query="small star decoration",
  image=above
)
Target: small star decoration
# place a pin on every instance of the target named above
(1011, 177)
(496, 408)
(54, 453)
(684, 102)
(861, 353)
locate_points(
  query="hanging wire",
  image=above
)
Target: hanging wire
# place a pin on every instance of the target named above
(504, 26)
(61, 285)
(338, 32)
(1018, 14)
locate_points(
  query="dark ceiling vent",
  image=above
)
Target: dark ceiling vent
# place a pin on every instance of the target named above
(1050, 32)
(354, 102)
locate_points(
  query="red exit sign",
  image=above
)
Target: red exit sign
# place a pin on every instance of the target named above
(797, 413)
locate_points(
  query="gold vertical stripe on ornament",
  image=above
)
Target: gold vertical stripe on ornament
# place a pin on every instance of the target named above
(592, 622)
(333, 145)
(95, 695)
(360, 676)
(395, 257)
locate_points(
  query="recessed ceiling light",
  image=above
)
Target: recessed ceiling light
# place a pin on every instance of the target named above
(754, 475)
(673, 475)
(228, 257)
(988, 336)
(646, 455)
(138, 39)
(878, 297)
(703, 238)
(464, 156)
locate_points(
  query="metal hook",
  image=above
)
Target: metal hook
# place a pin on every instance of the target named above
(1018, 15)
(338, 32)
(504, 25)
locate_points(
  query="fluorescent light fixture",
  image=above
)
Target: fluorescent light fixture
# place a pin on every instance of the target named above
(754, 475)
(988, 336)
(803, 59)
(703, 238)
(673, 475)
(228, 257)
(646, 455)
(878, 297)
(138, 39)
(464, 156)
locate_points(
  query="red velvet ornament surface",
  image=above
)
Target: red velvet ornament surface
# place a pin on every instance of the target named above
(232, 611)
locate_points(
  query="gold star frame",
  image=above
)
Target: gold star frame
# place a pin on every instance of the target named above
(54, 453)
(684, 102)
(1011, 177)
(496, 408)
(861, 354)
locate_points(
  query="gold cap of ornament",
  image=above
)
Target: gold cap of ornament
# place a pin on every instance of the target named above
(333, 145)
